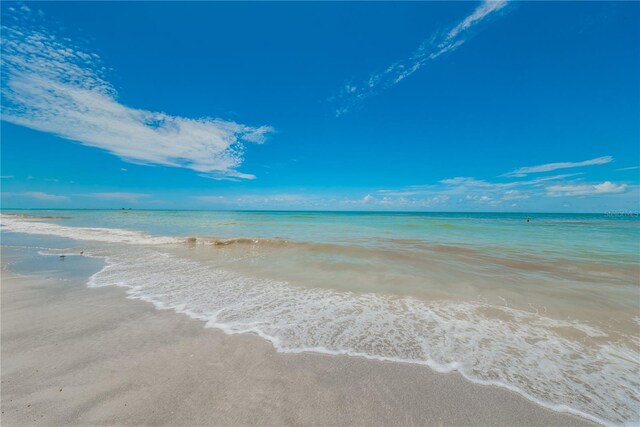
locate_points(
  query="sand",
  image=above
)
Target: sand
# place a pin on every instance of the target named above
(73, 355)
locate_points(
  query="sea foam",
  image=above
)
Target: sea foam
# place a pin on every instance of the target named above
(29, 225)
(518, 350)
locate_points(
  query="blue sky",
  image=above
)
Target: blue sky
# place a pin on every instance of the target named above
(429, 106)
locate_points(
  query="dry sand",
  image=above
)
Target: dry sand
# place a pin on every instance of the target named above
(78, 356)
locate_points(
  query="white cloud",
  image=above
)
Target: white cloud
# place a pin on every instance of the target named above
(45, 196)
(471, 184)
(457, 194)
(628, 168)
(606, 187)
(514, 195)
(538, 181)
(472, 191)
(51, 85)
(388, 200)
(478, 15)
(351, 94)
(465, 181)
(400, 193)
(560, 165)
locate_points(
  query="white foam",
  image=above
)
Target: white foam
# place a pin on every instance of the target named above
(524, 354)
(106, 235)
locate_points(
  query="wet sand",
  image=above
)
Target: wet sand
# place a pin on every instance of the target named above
(72, 355)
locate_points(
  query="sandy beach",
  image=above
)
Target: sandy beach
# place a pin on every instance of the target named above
(320, 213)
(72, 355)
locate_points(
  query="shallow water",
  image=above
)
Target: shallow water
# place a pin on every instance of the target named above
(549, 308)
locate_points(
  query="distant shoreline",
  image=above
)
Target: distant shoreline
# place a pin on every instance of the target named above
(616, 212)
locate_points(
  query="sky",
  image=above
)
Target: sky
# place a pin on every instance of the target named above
(401, 106)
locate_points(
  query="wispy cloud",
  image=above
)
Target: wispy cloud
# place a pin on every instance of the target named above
(441, 43)
(514, 195)
(468, 182)
(469, 191)
(6, 176)
(628, 168)
(548, 167)
(451, 194)
(606, 187)
(38, 195)
(52, 85)
(390, 201)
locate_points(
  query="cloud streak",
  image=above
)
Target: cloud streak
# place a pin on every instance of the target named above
(453, 194)
(439, 44)
(51, 85)
(461, 192)
(606, 187)
(38, 195)
(548, 167)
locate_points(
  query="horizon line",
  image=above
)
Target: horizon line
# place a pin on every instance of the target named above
(619, 211)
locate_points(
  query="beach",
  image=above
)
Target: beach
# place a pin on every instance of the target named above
(319, 318)
(320, 213)
(72, 355)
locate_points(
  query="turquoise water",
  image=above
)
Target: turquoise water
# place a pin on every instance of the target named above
(576, 235)
(549, 308)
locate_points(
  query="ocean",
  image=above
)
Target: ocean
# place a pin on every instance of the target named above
(548, 308)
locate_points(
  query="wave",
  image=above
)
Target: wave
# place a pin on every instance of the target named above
(30, 224)
(37, 217)
(511, 348)
(107, 235)
(391, 249)
(238, 241)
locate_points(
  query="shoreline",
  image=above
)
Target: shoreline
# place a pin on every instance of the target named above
(116, 352)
